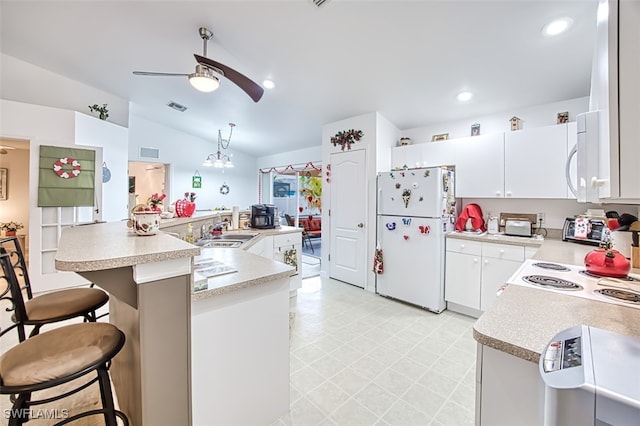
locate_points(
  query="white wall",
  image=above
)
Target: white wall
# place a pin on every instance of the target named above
(16, 206)
(298, 157)
(532, 116)
(91, 131)
(186, 153)
(387, 136)
(24, 82)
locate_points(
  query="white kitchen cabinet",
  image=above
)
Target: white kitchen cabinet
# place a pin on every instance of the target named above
(509, 390)
(475, 270)
(274, 247)
(479, 165)
(534, 162)
(499, 262)
(263, 247)
(285, 243)
(408, 155)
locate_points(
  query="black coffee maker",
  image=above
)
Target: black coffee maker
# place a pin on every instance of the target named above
(263, 216)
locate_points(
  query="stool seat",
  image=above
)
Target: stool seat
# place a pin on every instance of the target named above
(61, 355)
(64, 304)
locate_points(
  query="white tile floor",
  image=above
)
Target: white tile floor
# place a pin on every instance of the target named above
(361, 359)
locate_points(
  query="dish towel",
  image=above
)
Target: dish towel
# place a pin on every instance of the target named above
(377, 261)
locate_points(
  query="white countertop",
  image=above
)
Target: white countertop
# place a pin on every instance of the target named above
(501, 238)
(250, 270)
(112, 245)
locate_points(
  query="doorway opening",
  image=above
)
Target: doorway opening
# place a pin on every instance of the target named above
(296, 192)
(146, 179)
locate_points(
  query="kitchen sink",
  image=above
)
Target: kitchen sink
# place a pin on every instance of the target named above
(225, 240)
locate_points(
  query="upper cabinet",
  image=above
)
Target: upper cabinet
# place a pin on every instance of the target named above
(527, 163)
(534, 162)
(479, 165)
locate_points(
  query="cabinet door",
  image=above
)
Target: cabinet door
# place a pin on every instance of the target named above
(462, 279)
(495, 272)
(263, 247)
(408, 155)
(534, 162)
(479, 162)
(437, 154)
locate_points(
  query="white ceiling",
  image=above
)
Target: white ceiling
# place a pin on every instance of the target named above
(405, 59)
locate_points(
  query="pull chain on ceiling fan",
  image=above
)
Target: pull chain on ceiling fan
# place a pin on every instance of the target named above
(204, 78)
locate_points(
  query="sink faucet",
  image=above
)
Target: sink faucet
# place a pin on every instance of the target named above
(205, 230)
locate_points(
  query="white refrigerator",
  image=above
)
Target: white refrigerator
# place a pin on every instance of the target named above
(415, 208)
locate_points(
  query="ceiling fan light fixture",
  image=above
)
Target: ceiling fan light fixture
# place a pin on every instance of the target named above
(207, 162)
(464, 96)
(203, 80)
(218, 164)
(228, 164)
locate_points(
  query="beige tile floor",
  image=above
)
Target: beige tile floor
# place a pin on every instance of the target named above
(361, 359)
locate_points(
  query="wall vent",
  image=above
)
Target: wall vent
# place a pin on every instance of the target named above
(319, 2)
(149, 152)
(177, 106)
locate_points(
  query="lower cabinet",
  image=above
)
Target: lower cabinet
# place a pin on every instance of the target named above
(475, 271)
(285, 248)
(509, 390)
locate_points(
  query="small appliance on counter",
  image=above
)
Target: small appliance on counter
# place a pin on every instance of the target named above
(584, 230)
(518, 228)
(590, 378)
(263, 216)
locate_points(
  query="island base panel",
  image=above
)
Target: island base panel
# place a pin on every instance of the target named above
(151, 375)
(240, 364)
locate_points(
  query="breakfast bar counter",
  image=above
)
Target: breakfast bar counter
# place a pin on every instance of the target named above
(175, 335)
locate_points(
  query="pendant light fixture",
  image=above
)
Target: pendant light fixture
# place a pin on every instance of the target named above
(220, 160)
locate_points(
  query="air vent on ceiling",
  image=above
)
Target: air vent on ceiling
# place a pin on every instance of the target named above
(319, 2)
(177, 106)
(149, 152)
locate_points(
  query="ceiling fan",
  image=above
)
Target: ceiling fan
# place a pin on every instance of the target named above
(205, 79)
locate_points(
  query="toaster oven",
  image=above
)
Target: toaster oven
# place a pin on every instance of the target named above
(595, 231)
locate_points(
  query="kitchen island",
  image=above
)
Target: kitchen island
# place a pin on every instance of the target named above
(512, 334)
(150, 283)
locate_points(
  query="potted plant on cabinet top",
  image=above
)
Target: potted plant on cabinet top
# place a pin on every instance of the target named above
(10, 228)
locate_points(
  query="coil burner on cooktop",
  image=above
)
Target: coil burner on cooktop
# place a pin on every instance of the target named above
(592, 275)
(621, 295)
(552, 282)
(551, 266)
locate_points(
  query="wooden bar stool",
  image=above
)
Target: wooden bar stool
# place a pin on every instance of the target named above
(56, 357)
(49, 307)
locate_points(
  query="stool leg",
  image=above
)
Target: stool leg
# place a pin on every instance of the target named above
(20, 410)
(107, 396)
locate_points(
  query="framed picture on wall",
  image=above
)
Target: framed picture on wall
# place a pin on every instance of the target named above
(3, 184)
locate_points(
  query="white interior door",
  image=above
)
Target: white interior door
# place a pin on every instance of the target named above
(347, 260)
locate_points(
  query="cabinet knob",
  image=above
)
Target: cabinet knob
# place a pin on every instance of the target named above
(486, 261)
(501, 251)
(461, 246)
(508, 193)
(475, 260)
(498, 193)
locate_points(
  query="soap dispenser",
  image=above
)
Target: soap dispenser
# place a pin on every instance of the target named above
(189, 236)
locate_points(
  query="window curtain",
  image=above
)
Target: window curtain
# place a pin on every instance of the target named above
(74, 191)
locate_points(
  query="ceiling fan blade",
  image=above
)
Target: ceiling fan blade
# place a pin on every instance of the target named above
(252, 89)
(161, 74)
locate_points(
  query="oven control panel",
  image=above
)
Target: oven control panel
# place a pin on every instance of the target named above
(561, 354)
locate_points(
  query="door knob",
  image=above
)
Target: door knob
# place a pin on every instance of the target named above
(361, 225)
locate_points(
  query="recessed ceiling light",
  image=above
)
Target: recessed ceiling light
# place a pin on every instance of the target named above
(268, 84)
(464, 96)
(557, 27)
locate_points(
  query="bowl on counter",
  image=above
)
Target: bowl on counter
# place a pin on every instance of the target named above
(146, 222)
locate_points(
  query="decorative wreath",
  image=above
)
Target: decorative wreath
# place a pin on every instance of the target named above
(346, 137)
(57, 168)
(224, 189)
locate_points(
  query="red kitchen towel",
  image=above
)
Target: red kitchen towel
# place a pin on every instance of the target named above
(473, 212)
